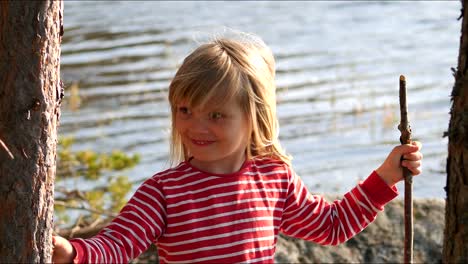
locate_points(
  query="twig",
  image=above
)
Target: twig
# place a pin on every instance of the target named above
(92, 210)
(405, 138)
(86, 230)
(79, 229)
(77, 225)
(6, 149)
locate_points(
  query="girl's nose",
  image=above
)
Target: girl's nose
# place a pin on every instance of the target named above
(199, 125)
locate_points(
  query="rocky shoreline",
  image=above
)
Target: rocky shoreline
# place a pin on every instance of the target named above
(380, 242)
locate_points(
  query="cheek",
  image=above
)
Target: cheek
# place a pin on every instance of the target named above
(180, 124)
(245, 128)
(179, 128)
(239, 133)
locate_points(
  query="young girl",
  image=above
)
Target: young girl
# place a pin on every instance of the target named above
(232, 189)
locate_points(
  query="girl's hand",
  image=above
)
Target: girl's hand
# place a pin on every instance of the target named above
(391, 171)
(63, 251)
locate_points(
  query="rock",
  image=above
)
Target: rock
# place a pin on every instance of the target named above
(382, 241)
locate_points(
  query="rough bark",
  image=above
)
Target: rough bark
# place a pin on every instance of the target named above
(30, 96)
(456, 216)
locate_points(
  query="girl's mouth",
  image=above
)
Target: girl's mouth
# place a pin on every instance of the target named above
(202, 142)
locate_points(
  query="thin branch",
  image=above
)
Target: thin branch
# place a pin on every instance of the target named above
(84, 231)
(405, 138)
(92, 210)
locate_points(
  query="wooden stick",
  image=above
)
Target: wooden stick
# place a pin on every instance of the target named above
(405, 138)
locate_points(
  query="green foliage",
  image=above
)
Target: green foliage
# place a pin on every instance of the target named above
(90, 165)
(95, 200)
(118, 188)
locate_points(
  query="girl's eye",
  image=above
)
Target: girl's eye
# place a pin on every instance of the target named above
(215, 115)
(183, 111)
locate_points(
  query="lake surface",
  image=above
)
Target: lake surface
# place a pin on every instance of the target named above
(338, 68)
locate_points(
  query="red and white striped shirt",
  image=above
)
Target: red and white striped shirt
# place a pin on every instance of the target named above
(194, 216)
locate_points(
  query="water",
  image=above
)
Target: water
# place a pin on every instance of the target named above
(338, 66)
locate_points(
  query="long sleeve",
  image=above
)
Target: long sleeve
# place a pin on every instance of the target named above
(139, 223)
(312, 218)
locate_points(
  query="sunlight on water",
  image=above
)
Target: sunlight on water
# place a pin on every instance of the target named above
(338, 65)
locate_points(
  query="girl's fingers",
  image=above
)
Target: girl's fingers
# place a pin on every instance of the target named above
(413, 166)
(413, 156)
(409, 149)
(416, 143)
(415, 171)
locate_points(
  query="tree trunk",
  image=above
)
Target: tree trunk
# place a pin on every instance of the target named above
(30, 97)
(456, 215)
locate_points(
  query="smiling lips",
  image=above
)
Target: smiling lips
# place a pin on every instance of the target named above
(202, 142)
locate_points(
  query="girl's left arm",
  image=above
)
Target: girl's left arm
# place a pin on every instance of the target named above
(312, 218)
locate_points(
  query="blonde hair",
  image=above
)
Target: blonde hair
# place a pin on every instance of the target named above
(231, 69)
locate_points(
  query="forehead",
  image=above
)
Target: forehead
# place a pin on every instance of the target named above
(213, 105)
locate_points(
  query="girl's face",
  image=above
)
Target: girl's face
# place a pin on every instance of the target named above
(216, 137)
